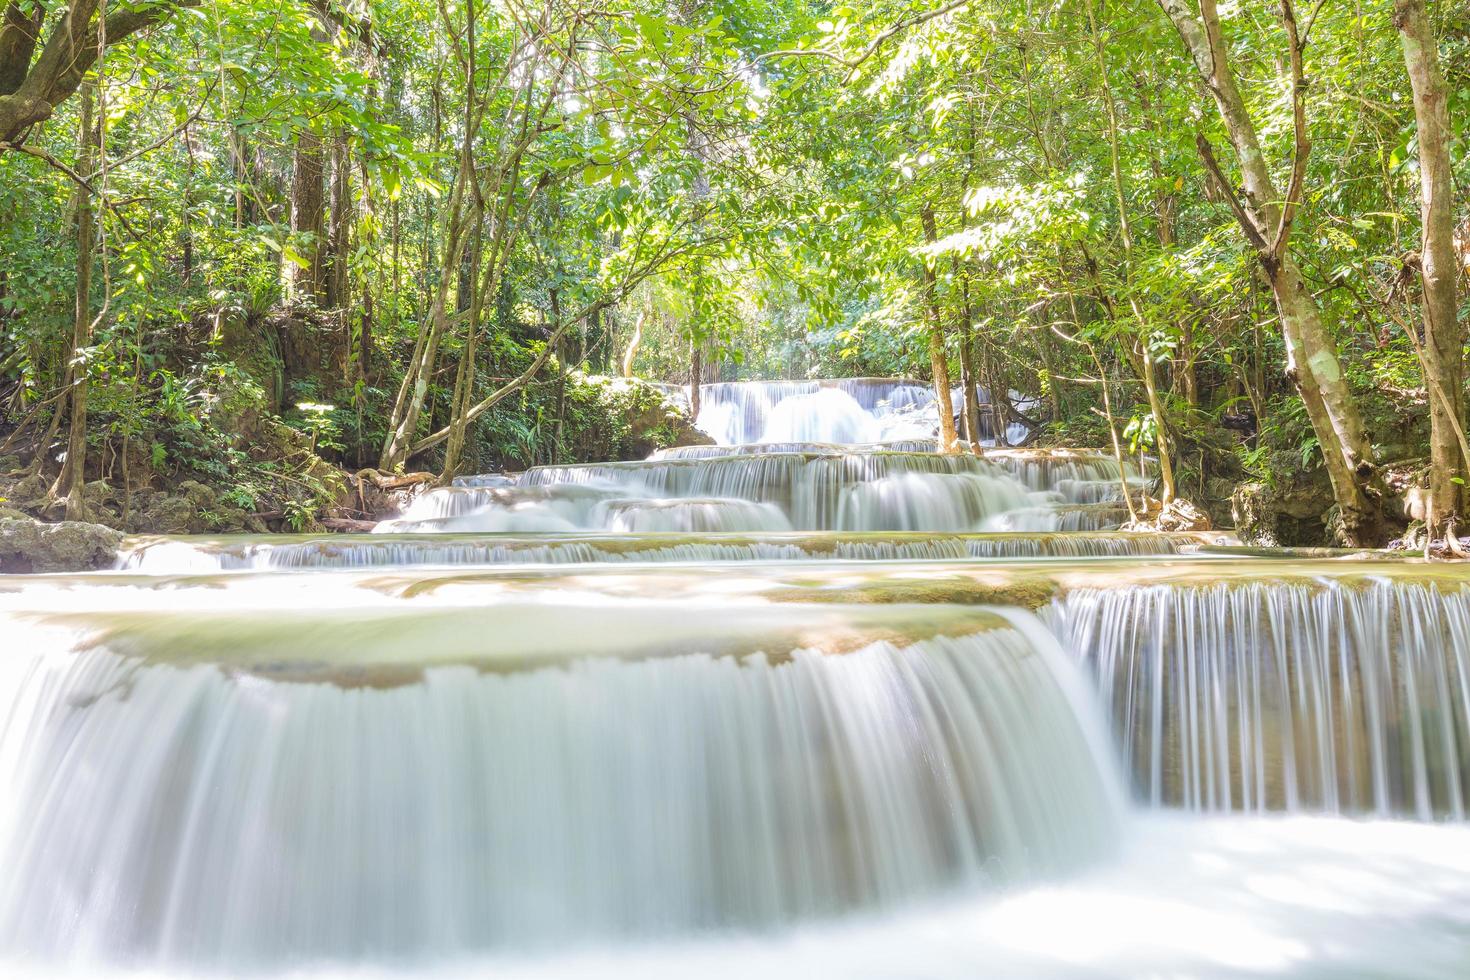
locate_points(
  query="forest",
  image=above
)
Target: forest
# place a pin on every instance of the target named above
(257, 255)
(667, 489)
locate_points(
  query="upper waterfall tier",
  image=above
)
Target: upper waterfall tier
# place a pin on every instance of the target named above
(828, 489)
(851, 410)
(272, 778)
(846, 410)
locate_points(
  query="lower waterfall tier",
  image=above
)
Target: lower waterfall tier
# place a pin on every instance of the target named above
(1286, 695)
(416, 765)
(253, 785)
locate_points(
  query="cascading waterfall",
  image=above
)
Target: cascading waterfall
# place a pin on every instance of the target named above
(822, 669)
(171, 556)
(808, 448)
(847, 410)
(1328, 696)
(203, 789)
(825, 489)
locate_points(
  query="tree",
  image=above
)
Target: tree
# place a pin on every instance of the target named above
(1442, 351)
(1266, 217)
(32, 85)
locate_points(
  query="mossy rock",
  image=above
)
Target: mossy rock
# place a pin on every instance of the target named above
(68, 546)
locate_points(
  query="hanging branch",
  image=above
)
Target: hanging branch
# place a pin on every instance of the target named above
(882, 38)
(1242, 215)
(1302, 146)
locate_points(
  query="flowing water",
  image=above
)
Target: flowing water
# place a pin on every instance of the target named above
(833, 705)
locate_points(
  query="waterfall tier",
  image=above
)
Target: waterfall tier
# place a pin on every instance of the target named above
(1267, 696)
(846, 410)
(826, 489)
(268, 785)
(183, 555)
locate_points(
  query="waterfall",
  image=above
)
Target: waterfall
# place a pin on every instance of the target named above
(808, 448)
(825, 415)
(820, 701)
(827, 489)
(689, 515)
(171, 556)
(204, 788)
(848, 410)
(1331, 696)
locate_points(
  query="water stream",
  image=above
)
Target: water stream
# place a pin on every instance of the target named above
(833, 705)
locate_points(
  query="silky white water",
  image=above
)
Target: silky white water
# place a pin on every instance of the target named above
(847, 410)
(205, 789)
(803, 486)
(1289, 696)
(806, 708)
(172, 555)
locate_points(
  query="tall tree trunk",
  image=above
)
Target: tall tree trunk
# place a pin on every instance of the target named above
(1312, 358)
(305, 279)
(1141, 355)
(632, 353)
(966, 315)
(938, 358)
(696, 370)
(339, 228)
(973, 431)
(1444, 339)
(1156, 408)
(464, 379)
(71, 481)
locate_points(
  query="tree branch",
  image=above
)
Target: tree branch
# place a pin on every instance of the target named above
(882, 38)
(1302, 146)
(1242, 216)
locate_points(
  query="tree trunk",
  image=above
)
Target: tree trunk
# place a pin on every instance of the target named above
(1444, 339)
(696, 369)
(632, 353)
(1311, 352)
(335, 267)
(71, 482)
(1156, 408)
(304, 278)
(938, 358)
(968, 380)
(464, 381)
(1311, 361)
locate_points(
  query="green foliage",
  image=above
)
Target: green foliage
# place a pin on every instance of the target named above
(765, 212)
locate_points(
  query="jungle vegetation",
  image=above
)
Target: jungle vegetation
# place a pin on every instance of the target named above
(240, 235)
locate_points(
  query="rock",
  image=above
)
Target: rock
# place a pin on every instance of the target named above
(1292, 514)
(29, 493)
(197, 494)
(1181, 515)
(167, 514)
(1178, 515)
(1255, 519)
(68, 546)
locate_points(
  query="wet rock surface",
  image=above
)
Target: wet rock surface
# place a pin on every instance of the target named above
(28, 545)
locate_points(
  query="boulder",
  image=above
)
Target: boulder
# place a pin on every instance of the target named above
(68, 546)
(1178, 515)
(168, 514)
(29, 493)
(1292, 513)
